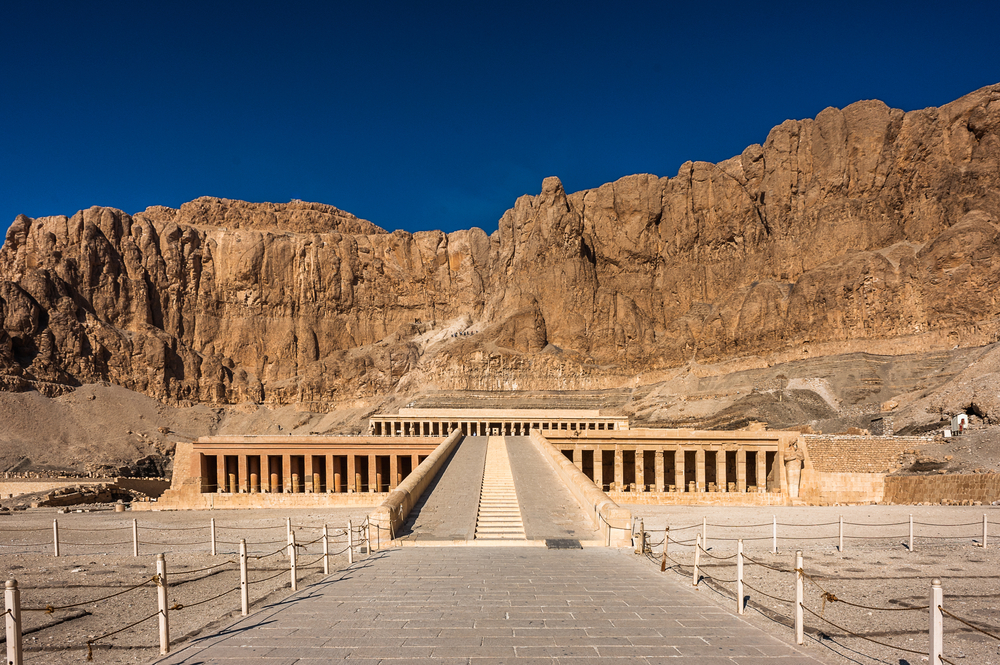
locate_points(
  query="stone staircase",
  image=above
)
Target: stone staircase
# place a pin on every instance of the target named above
(499, 515)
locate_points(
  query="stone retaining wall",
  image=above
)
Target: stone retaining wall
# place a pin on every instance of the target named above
(817, 488)
(699, 498)
(983, 487)
(859, 454)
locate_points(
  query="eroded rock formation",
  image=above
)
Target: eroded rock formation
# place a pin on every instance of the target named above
(863, 224)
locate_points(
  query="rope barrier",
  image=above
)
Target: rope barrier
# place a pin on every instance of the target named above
(963, 621)
(862, 637)
(732, 556)
(200, 542)
(879, 525)
(181, 528)
(764, 593)
(112, 528)
(49, 609)
(66, 542)
(27, 544)
(90, 642)
(804, 525)
(199, 570)
(180, 606)
(769, 567)
(962, 524)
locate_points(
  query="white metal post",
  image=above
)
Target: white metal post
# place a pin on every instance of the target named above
(244, 582)
(774, 535)
(350, 542)
(697, 558)
(326, 551)
(841, 546)
(288, 529)
(937, 623)
(161, 598)
(739, 576)
(55, 537)
(213, 536)
(12, 601)
(911, 533)
(292, 563)
(799, 597)
(135, 538)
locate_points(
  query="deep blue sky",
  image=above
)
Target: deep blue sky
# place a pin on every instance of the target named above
(436, 116)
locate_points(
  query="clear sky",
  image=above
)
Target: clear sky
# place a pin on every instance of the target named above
(436, 115)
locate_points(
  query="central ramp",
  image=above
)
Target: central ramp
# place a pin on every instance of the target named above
(493, 605)
(499, 514)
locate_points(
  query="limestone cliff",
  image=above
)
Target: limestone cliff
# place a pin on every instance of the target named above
(864, 226)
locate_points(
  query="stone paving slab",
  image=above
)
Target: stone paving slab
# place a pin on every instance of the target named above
(548, 510)
(491, 606)
(447, 510)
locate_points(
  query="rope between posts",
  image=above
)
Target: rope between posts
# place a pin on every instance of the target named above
(946, 525)
(90, 642)
(723, 558)
(764, 565)
(279, 573)
(832, 598)
(49, 609)
(740, 526)
(123, 542)
(963, 621)
(27, 544)
(950, 662)
(182, 528)
(309, 563)
(246, 528)
(37, 528)
(199, 570)
(804, 525)
(200, 542)
(764, 593)
(866, 524)
(862, 637)
(264, 556)
(112, 528)
(179, 606)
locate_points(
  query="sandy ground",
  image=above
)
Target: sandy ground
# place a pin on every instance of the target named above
(876, 569)
(104, 565)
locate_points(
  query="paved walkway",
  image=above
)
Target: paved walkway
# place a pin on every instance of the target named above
(487, 606)
(447, 511)
(548, 509)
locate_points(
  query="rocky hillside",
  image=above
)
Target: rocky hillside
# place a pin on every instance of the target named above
(866, 229)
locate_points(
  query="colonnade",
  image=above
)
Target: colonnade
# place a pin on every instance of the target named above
(675, 468)
(405, 427)
(289, 473)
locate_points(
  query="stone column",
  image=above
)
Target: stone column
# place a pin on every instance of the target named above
(393, 472)
(311, 481)
(659, 472)
(741, 469)
(331, 480)
(286, 473)
(578, 457)
(699, 469)
(414, 462)
(243, 474)
(619, 468)
(720, 470)
(761, 468)
(273, 483)
(220, 473)
(338, 478)
(679, 469)
(599, 468)
(253, 473)
(640, 469)
(352, 474)
(373, 474)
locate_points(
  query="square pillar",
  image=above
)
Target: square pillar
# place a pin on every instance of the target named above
(351, 473)
(220, 473)
(679, 469)
(720, 470)
(393, 472)
(242, 475)
(741, 470)
(699, 469)
(599, 468)
(372, 474)
(286, 473)
(414, 462)
(619, 469)
(658, 471)
(761, 468)
(578, 458)
(331, 484)
(640, 469)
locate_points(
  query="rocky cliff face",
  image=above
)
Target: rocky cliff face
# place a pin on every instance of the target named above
(862, 225)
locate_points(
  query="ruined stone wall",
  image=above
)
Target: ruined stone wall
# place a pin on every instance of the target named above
(859, 454)
(970, 488)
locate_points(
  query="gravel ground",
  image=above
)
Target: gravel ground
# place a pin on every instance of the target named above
(876, 569)
(102, 564)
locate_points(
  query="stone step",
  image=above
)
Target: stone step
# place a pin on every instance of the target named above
(499, 515)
